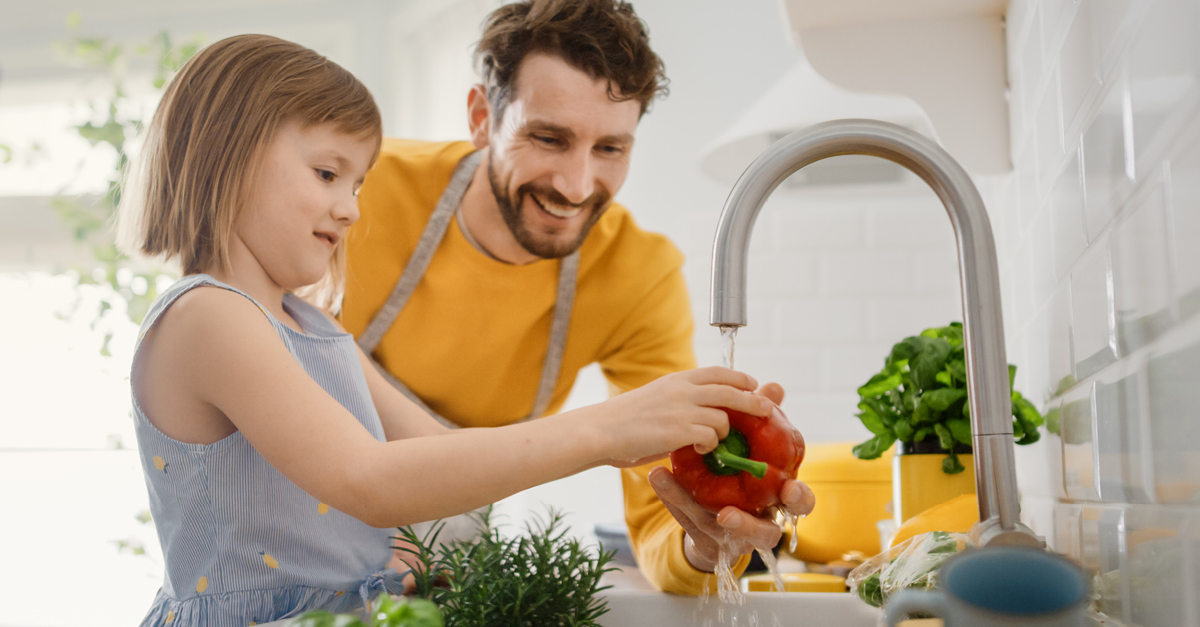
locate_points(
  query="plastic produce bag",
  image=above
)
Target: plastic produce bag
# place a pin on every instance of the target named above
(911, 564)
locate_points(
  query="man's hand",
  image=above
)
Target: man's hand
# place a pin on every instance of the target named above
(705, 530)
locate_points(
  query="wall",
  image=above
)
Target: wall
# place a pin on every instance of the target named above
(1103, 286)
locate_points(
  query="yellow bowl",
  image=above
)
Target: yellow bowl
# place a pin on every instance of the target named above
(795, 582)
(852, 496)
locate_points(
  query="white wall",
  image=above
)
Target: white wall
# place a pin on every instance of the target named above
(1104, 275)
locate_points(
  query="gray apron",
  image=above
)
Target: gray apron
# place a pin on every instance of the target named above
(435, 230)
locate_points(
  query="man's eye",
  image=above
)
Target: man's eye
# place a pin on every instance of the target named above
(549, 141)
(611, 150)
(326, 175)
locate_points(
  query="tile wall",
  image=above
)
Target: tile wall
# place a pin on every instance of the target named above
(1102, 276)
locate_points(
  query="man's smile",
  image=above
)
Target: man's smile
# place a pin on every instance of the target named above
(559, 211)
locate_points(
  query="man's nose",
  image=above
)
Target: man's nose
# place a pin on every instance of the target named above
(574, 179)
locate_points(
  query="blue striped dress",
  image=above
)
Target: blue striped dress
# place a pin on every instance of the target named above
(242, 544)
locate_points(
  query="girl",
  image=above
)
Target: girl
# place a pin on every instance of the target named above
(275, 456)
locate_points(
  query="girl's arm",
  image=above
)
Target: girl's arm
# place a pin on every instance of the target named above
(226, 355)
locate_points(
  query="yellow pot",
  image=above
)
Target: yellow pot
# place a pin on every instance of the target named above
(852, 495)
(920, 483)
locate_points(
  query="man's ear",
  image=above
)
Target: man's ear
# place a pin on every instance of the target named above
(479, 116)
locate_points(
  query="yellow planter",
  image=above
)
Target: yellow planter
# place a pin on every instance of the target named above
(918, 482)
(852, 495)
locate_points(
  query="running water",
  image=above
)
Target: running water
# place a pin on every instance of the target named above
(728, 335)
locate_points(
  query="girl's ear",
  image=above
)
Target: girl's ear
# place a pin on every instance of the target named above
(479, 116)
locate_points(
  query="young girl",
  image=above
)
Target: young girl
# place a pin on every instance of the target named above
(275, 456)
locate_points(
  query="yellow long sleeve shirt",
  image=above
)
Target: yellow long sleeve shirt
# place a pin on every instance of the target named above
(472, 339)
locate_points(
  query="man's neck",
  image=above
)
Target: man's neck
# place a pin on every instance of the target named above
(482, 219)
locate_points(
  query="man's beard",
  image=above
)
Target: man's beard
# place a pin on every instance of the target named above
(510, 209)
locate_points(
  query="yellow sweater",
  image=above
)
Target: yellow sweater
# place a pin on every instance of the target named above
(473, 337)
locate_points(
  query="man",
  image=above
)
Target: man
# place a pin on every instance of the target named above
(484, 275)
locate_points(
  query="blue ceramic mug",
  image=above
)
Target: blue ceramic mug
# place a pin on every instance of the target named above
(999, 586)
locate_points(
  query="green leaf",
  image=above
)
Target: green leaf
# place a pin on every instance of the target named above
(922, 414)
(931, 360)
(951, 465)
(958, 369)
(960, 429)
(876, 446)
(904, 430)
(872, 421)
(922, 433)
(880, 384)
(1012, 375)
(886, 412)
(945, 439)
(942, 398)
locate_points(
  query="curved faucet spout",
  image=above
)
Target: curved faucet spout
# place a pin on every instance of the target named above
(983, 327)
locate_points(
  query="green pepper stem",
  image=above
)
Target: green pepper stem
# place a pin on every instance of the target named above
(727, 458)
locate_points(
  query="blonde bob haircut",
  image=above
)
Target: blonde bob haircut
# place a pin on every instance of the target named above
(203, 146)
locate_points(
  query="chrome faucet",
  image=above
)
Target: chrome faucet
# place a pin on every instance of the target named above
(983, 327)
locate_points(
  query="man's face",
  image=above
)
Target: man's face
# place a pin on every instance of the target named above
(558, 155)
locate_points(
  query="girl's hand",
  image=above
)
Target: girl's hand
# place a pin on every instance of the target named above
(676, 410)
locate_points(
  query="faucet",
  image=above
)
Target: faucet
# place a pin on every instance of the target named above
(983, 327)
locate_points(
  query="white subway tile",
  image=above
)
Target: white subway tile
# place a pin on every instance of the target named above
(1162, 65)
(1093, 324)
(1042, 240)
(798, 226)
(893, 319)
(936, 271)
(1027, 178)
(846, 368)
(1038, 514)
(1120, 444)
(826, 417)
(1101, 542)
(1037, 349)
(1141, 272)
(1060, 363)
(1173, 395)
(1105, 159)
(1049, 134)
(1077, 428)
(1185, 217)
(1039, 469)
(1109, 19)
(1080, 70)
(865, 273)
(782, 275)
(795, 367)
(821, 321)
(1066, 530)
(1066, 206)
(909, 225)
(1154, 568)
(1032, 71)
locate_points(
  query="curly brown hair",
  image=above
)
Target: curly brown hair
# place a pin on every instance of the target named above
(603, 38)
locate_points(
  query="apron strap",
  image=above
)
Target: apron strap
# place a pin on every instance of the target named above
(435, 230)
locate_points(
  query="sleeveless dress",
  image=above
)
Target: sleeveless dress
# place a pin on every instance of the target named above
(242, 544)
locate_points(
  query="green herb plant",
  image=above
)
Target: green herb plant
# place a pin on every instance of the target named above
(921, 394)
(386, 612)
(541, 578)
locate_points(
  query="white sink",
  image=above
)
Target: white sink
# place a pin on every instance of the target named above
(634, 608)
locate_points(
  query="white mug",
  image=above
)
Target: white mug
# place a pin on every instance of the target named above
(1003, 586)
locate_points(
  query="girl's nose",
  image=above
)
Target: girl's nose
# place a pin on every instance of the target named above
(346, 210)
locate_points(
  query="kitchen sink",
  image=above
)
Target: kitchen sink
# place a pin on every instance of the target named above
(633, 608)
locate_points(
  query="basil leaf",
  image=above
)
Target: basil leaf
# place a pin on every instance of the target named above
(872, 421)
(941, 399)
(1012, 375)
(944, 377)
(960, 428)
(922, 433)
(879, 384)
(958, 369)
(873, 448)
(951, 465)
(904, 430)
(945, 439)
(931, 360)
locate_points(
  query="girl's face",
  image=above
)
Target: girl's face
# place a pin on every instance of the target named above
(303, 200)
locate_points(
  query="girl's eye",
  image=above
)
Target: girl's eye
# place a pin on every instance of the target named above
(326, 175)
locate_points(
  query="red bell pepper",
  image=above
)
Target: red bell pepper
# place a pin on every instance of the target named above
(747, 469)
